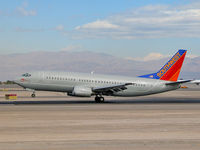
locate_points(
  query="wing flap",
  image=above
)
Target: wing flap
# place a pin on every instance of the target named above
(111, 89)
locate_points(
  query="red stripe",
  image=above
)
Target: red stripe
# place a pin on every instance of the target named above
(174, 69)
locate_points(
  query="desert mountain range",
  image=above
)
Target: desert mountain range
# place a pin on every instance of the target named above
(13, 65)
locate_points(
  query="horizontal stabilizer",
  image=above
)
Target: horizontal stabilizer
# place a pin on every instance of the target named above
(178, 82)
(197, 82)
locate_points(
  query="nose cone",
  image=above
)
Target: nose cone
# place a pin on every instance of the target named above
(17, 80)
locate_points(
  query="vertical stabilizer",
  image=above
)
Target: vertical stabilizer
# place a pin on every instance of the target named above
(171, 70)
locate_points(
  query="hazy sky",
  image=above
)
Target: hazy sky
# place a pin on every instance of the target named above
(127, 28)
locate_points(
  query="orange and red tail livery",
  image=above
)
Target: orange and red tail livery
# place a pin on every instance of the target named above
(171, 70)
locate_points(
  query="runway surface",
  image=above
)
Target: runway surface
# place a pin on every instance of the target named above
(53, 121)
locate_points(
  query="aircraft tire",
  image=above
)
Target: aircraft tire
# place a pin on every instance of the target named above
(99, 99)
(102, 99)
(33, 95)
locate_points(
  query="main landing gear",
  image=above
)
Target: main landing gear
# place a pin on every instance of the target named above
(99, 99)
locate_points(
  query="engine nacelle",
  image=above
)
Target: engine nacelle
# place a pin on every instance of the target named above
(81, 91)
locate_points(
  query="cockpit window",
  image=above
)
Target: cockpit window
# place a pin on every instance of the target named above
(26, 75)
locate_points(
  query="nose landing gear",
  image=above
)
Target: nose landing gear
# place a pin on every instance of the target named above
(99, 99)
(33, 95)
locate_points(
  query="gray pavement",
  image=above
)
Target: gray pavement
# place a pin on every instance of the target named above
(55, 121)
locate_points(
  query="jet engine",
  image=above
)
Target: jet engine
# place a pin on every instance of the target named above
(81, 91)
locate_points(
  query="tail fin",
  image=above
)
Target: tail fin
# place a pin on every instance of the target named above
(171, 70)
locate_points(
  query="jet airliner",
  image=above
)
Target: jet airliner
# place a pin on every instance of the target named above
(87, 85)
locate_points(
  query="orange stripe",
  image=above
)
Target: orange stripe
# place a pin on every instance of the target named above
(175, 76)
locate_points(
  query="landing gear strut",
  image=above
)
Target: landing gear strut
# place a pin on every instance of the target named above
(99, 99)
(33, 95)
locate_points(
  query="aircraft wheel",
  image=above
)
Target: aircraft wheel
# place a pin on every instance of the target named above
(102, 99)
(33, 95)
(99, 99)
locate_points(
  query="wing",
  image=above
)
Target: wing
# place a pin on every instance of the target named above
(109, 90)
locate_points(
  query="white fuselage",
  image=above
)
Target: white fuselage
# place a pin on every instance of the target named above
(66, 81)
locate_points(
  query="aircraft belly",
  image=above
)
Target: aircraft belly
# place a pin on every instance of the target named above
(50, 87)
(134, 91)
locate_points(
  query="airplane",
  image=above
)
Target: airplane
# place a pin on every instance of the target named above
(99, 85)
(197, 82)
